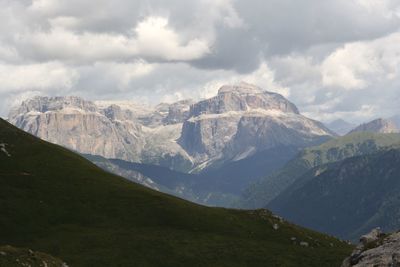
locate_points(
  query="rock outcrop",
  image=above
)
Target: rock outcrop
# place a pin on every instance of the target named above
(377, 126)
(11, 256)
(376, 249)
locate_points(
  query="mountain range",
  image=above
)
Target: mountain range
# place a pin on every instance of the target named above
(231, 140)
(56, 201)
(346, 198)
(184, 136)
(244, 148)
(266, 189)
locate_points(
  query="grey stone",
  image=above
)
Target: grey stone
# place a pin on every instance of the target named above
(385, 253)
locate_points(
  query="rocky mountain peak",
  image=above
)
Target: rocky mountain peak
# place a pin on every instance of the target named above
(243, 119)
(377, 126)
(242, 97)
(43, 104)
(241, 88)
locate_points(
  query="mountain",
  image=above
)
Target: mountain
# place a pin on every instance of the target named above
(377, 126)
(346, 198)
(55, 201)
(222, 186)
(239, 122)
(120, 130)
(358, 143)
(243, 120)
(340, 126)
(16, 257)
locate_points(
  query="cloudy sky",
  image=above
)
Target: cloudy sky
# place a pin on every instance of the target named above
(333, 58)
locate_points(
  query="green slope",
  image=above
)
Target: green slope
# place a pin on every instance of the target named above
(346, 198)
(55, 201)
(362, 143)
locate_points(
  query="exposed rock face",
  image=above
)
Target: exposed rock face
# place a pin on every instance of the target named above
(376, 249)
(107, 129)
(264, 132)
(80, 125)
(240, 121)
(162, 114)
(205, 138)
(242, 97)
(178, 112)
(377, 126)
(44, 104)
(116, 113)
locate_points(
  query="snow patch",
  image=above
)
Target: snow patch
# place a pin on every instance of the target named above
(4, 150)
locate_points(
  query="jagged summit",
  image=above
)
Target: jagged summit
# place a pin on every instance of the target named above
(44, 104)
(377, 126)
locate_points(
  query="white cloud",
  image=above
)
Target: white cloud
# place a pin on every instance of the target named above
(388, 8)
(263, 77)
(362, 114)
(224, 10)
(44, 76)
(122, 74)
(152, 38)
(358, 65)
(156, 39)
(8, 53)
(331, 58)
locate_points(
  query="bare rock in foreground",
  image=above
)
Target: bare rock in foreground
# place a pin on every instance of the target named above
(376, 249)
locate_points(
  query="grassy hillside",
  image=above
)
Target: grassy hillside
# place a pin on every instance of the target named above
(55, 201)
(262, 192)
(346, 198)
